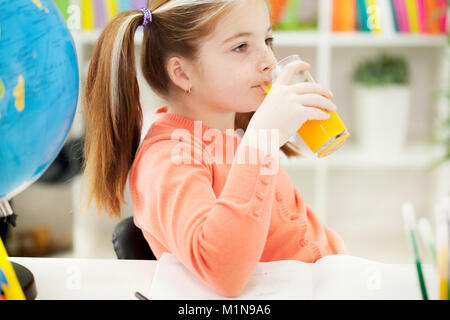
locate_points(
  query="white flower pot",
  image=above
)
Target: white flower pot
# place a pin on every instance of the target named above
(382, 117)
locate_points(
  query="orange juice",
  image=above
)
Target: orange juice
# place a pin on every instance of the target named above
(323, 137)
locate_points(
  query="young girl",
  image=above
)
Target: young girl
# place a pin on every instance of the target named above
(209, 60)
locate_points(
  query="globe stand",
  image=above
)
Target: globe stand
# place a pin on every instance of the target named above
(26, 281)
(24, 276)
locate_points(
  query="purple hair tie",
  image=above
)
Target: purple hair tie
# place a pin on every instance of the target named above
(147, 16)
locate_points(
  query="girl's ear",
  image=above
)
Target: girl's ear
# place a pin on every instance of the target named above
(177, 68)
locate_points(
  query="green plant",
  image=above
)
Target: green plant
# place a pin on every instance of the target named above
(383, 70)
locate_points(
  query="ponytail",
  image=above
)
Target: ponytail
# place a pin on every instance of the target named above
(113, 114)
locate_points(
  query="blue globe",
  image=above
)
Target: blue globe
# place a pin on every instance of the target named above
(39, 86)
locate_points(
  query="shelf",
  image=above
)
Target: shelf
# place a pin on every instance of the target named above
(314, 38)
(350, 157)
(394, 40)
(296, 38)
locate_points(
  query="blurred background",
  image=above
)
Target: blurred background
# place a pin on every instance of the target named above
(387, 63)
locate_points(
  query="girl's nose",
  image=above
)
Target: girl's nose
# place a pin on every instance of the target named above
(269, 61)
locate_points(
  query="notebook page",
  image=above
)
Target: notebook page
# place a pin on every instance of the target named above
(287, 279)
(349, 277)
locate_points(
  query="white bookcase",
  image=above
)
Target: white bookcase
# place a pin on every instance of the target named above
(358, 195)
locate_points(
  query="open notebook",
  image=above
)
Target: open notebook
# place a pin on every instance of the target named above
(331, 277)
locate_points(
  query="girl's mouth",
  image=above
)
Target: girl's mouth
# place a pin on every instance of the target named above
(260, 88)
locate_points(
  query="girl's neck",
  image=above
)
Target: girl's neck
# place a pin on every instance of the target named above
(209, 118)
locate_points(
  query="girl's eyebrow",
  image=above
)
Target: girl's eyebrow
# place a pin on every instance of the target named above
(242, 34)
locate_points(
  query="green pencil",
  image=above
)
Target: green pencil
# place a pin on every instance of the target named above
(410, 222)
(427, 237)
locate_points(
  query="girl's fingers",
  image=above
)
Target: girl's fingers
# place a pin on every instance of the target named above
(288, 72)
(308, 113)
(317, 101)
(308, 87)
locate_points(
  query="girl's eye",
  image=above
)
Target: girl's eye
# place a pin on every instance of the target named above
(239, 49)
(269, 42)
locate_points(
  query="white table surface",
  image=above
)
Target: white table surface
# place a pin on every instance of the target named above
(91, 279)
(109, 279)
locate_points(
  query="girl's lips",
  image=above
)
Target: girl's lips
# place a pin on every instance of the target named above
(260, 88)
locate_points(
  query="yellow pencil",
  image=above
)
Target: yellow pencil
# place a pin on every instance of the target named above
(13, 290)
(442, 248)
(443, 276)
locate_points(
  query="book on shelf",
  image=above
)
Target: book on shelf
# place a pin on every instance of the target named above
(421, 16)
(413, 21)
(387, 17)
(111, 9)
(290, 15)
(375, 16)
(63, 6)
(87, 16)
(401, 15)
(390, 16)
(436, 20)
(95, 14)
(344, 15)
(101, 16)
(361, 16)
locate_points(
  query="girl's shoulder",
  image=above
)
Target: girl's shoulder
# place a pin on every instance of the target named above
(169, 146)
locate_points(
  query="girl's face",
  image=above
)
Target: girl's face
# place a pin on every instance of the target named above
(236, 60)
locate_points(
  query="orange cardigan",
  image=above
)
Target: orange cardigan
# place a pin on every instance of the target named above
(220, 218)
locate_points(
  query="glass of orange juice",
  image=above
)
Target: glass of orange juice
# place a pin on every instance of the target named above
(322, 137)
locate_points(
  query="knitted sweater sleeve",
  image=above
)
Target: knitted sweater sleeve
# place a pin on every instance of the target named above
(218, 238)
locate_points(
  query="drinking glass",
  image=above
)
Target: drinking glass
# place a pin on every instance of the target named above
(322, 137)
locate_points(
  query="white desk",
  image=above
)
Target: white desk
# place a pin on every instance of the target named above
(110, 279)
(91, 279)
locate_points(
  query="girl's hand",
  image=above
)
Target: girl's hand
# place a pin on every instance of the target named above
(287, 107)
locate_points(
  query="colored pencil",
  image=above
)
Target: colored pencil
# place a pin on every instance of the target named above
(410, 228)
(427, 238)
(442, 238)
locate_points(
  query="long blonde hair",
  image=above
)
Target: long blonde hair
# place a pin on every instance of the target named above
(111, 104)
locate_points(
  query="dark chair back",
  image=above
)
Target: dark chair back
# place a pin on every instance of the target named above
(129, 242)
